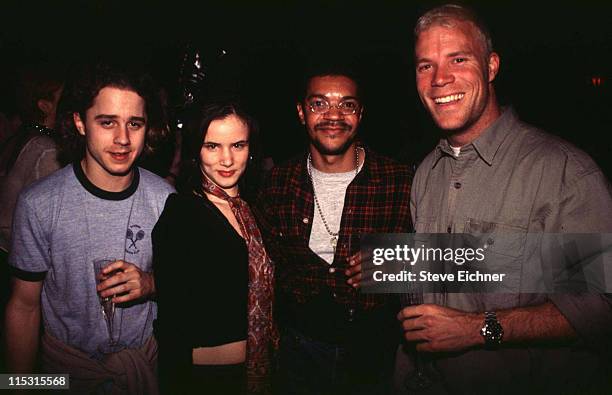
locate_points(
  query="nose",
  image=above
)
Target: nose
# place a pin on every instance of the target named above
(122, 135)
(333, 112)
(442, 77)
(227, 158)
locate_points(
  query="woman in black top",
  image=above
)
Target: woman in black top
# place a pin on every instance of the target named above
(213, 277)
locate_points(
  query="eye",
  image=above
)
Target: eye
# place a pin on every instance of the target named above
(349, 104)
(459, 60)
(210, 146)
(318, 103)
(107, 123)
(241, 145)
(135, 125)
(423, 67)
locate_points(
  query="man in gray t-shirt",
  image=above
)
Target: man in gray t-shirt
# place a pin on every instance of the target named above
(101, 206)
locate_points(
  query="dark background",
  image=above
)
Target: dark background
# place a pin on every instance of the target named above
(550, 54)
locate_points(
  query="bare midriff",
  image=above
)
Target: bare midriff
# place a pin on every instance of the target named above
(225, 354)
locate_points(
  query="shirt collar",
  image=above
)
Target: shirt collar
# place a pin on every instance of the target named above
(101, 193)
(488, 143)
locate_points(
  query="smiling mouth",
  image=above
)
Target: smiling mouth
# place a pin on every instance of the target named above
(120, 155)
(449, 99)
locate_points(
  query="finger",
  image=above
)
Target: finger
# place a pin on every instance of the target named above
(132, 295)
(408, 312)
(136, 289)
(414, 324)
(420, 309)
(111, 267)
(119, 278)
(116, 290)
(355, 259)
(351, 271)
(355, 281)
(129, 267)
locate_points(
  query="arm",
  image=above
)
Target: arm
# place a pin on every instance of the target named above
(22, 322)
(584, 205)
(175, 305)
(440, 329)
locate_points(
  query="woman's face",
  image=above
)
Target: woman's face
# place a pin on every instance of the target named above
(225, 152)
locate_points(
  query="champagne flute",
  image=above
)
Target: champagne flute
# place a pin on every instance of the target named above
(108, 307)
(424, 375)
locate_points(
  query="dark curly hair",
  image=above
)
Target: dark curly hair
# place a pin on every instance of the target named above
(81, 91)
(191, 176)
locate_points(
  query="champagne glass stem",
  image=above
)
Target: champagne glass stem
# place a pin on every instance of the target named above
(419, 379)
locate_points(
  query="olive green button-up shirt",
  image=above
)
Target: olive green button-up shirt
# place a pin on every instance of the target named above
(514, 180)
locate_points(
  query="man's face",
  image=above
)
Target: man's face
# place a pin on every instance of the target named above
(114, 128)
(331, 132)
(453, 77)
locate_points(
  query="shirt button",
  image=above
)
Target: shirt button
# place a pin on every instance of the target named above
(351, 315)
(334, 295)
(305, 220)
(280, 234)
(457, 185)
(332, 270)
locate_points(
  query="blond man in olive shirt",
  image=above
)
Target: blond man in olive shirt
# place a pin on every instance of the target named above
(494, 174)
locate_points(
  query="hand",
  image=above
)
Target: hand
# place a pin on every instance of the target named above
(354, 271)
(440, 329)
(359, 274)
(127, 284)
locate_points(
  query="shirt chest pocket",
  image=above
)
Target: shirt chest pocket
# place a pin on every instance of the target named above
(503, 248)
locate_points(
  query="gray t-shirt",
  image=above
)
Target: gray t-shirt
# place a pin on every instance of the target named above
(62, 224)
(330, 189)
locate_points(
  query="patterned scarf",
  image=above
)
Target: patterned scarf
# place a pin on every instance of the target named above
(262, 334)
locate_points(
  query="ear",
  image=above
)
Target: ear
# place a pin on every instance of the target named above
(45, 106)
(300, 111)
(78, 122)
(493, 66)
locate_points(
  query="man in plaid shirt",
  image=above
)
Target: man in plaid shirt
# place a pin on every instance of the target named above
(311, 211)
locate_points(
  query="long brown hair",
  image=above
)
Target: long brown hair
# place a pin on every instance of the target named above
(191, 175)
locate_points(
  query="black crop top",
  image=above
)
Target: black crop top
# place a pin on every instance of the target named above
(201, 277)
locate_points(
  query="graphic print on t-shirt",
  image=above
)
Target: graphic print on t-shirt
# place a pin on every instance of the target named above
(133, 235)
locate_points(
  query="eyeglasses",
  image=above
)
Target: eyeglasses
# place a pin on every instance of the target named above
(320, 106)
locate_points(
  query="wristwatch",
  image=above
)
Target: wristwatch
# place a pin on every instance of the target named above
(492, 331)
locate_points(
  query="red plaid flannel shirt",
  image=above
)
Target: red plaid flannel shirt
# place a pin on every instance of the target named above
(377, 201)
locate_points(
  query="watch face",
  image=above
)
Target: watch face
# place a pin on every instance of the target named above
(492, 332)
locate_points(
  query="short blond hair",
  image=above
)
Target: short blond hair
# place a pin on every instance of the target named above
(447, 16)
